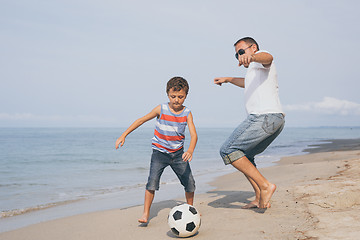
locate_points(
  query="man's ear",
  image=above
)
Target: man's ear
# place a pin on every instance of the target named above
(254, 48)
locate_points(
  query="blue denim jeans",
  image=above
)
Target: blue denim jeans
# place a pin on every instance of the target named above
(160, 160)
(252, 137)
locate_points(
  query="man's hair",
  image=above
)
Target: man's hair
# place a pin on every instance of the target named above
(177, 83)
(248, 40)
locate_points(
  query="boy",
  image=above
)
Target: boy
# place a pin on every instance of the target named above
(168, 142)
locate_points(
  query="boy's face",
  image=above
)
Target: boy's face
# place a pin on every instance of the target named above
(176, 98)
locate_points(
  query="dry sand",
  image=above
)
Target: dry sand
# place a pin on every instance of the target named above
(318, 197)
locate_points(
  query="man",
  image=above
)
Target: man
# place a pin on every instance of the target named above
(265, 118)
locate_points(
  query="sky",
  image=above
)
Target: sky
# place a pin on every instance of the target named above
(106, 63)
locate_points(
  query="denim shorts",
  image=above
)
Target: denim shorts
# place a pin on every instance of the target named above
(252, 137)
(160, 160)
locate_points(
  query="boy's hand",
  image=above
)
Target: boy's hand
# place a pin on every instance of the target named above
(187, 156)
(120, 140)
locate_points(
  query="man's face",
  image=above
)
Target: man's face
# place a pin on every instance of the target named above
(248, 48)
(242, 50)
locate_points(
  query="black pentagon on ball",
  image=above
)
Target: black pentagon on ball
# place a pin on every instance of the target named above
(190, 226)
(177, 215)
(176, 232)
(192, 210)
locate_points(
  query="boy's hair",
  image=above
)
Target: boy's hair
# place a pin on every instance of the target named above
(248, 40)
(177, 83)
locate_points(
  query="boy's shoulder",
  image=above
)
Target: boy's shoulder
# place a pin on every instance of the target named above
(157, 109)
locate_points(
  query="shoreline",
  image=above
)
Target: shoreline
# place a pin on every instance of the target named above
(293, 211)
(53, 211)
(334, 145)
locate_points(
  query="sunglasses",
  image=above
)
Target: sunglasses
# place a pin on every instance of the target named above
(241, 52)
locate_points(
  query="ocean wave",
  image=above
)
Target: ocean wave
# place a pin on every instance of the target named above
(15, 212)
(127, 169)
(10, 185)
(23, 184)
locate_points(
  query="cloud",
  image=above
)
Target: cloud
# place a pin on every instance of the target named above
(328, 105)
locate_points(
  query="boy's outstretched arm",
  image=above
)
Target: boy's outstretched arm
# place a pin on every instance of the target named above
(187, 156)
(137, 123)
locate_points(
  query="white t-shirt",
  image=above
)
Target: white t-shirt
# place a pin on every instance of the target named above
(261, 89)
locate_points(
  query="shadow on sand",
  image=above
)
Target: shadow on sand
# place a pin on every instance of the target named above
(233, 199)
(157, 207)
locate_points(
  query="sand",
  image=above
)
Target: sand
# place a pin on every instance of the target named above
(317, 197)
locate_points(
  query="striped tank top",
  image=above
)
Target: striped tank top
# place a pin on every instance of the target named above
(169, 134)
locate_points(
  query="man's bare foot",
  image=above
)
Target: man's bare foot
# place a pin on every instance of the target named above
(265, 196)
(144, 218)
(253, 204)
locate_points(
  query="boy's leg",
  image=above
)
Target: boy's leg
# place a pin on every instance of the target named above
(266, 188)
(149, 197)
(157, 165)
(183, 172)
(189, 198)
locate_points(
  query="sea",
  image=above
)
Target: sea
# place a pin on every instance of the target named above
(49, 173)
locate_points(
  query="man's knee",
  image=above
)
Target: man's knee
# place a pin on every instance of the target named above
(230, 155)
(223, 150)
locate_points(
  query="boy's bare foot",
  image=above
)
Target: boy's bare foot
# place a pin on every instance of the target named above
(253, 204)
(143, 219)
(265, 196)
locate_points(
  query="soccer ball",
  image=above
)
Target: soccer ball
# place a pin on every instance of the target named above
(184, 220)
